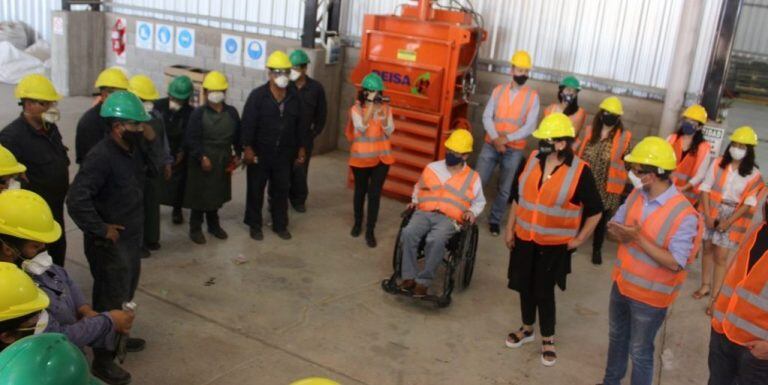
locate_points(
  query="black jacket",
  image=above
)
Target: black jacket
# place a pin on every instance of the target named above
(315, 107)
(45, 156)
(91, 129)
(173, 120)
(270, 127)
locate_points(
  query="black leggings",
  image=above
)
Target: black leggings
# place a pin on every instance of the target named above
(543, 300)
(369, 181)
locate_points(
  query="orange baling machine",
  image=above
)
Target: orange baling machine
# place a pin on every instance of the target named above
(426, 57)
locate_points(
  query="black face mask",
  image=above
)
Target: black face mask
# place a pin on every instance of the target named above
(610, 119)
(520, 79)
(452, 159)
(546, 147)
(133, 138)
(567, 98)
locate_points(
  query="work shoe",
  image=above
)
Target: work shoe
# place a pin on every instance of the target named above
(420, 291)
(145, 253)
(152, 246)
(177, 217)
(300, 208)
(407, 285)
(494, 229)
(197, 237)
(357, 229)
(135, 345)
(597, 257)
(105, 368)
(256, 234)
(218, 233)
(370, 239)
(283, 234)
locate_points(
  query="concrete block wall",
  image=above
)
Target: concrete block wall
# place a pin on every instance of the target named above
(241, 79)
(641, 116)
(75, 60)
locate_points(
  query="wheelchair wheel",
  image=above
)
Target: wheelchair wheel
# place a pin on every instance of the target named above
(468, 253)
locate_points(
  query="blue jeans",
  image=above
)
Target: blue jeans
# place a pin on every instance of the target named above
(633, 327)
(438, 229)
(508, 163)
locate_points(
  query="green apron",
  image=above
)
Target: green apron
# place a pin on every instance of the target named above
(207, 191)
(173, 189)
(153, 185)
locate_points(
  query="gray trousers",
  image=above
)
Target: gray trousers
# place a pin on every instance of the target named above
(438, 228)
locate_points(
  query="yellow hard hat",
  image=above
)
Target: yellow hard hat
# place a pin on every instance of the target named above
(460, 141)
(215, 81)
(522, 59)
(279, 60)
(25, 215)
(20, 294)
(112, 77)
(36, 87)
(653, 151)
(8, 163)
(697, 113)
(744, 135)
(556, 125)
(613, 105)
(143, 87)
(315, 381)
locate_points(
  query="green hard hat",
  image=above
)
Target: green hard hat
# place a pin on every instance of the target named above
(124, 105)
(180, 87)
(571, 82)
(44, 359)
(299, 58)
(373, 82)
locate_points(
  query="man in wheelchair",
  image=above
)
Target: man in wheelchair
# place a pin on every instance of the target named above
(448, 193)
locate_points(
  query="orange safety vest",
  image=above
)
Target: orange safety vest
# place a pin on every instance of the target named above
(577, 118)
(738, 228)
(451, 198)
(511, 115)
(372, 146)
(636, 274)
(617, 172)
(741, 309)
(688, 166)
(545, 214)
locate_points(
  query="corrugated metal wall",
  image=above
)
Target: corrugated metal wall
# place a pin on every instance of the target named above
(35, 13)
(752, 32)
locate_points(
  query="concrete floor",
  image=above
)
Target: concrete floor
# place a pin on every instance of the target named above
(313, 306)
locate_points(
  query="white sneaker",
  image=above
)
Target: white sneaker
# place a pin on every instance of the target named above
(510, 341)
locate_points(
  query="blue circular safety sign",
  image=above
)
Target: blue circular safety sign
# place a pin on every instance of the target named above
(185, 39)
(255, 50)
(164, 34)
(230, 45)
(144, 32)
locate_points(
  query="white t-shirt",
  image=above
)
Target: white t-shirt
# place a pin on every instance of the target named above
(734, 183)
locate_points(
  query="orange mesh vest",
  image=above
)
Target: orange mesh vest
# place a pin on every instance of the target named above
(577, 118)
(546, 215)
(617, 172)
(511, 115)
(688, 166)
(636, 274)
(372, 146)
(738, 228)
(451, 198)
(741, 309)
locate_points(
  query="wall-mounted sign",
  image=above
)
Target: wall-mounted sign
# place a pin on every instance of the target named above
(255, 53)
(164, 38)
(185, 41)
(144, 34)
(231, 49)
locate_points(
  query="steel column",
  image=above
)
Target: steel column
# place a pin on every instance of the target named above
(714, 82)
(310, 24)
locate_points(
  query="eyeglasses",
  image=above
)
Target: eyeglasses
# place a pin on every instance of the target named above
(277, 72)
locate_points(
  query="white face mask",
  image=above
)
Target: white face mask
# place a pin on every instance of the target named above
(737, 153)
(52, 115)
(295, 75)
(216, 97)
(148, 106)
(174, 105)
(39, 264)
(42, 322)
(281, 81)
(13, 184)
(636, 182)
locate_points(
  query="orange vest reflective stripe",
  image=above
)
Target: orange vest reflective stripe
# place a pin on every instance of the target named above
(511, 115)
(451, 198)
(546, 215)
(617, 172)
(741, 309)
(577, 118)
(739, 228)
(372, 146)
(636, 274)
(688, 166)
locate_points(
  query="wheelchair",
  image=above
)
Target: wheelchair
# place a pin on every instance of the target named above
(458, 263)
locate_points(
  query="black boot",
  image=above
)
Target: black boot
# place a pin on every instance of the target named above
(357, 229)
(370, 239)
(177, 216)
(105, 368)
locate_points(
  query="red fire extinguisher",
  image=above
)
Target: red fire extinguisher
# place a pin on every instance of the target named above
(118, 37)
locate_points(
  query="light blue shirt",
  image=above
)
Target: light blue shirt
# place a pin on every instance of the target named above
(681, 243)
(524, 131)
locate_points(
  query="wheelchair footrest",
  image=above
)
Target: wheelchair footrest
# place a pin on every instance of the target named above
(390, 286)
